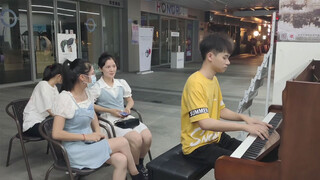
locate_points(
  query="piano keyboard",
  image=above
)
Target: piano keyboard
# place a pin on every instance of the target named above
(251, 147)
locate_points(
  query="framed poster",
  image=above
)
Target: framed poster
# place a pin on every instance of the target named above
(299, 20)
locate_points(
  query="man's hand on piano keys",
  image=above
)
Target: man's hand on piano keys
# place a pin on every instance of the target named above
(250, 120)
(259, 130)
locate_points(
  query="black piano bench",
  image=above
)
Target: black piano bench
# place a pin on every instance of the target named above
(172, 165)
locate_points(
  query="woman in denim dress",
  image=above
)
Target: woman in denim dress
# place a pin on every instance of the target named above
(76, 125)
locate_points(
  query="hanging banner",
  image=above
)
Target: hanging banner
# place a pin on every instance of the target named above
(145, 48)
(67, 47)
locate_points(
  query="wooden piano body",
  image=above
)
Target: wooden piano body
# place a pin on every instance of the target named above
(299, 151)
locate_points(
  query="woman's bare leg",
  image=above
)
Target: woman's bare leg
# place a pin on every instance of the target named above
(119, 161)
(135, 142)
(146, 142)
(121, 145)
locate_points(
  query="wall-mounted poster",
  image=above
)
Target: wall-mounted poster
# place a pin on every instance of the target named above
(299, 20)
(67, 47)
(135, 34)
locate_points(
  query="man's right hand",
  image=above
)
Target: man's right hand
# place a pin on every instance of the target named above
(259, 130)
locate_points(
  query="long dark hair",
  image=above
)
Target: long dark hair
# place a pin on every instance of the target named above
(71, 72)
(105, 57)
(51, 71)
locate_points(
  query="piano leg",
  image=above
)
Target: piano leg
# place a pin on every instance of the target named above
(228, 168)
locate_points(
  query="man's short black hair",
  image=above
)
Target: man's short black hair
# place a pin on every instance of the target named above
(217, 43)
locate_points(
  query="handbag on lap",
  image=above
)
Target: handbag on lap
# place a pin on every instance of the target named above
(127, 123)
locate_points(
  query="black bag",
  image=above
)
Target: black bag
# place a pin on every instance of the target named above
(128, 123)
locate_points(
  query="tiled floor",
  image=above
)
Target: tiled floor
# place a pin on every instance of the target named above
(157, 96)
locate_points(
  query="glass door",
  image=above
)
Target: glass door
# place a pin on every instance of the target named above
(46, 25)
(43, 34)
(14, 38)
(164, 42)
(182, 34)
(189, 41)
(111, 32)
(173, 40)
(153, 20)
(90, 26)
(168, 44)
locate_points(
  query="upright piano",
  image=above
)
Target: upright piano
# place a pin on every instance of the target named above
(296, 156)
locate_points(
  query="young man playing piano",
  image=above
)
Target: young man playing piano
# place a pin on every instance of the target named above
(203, 136)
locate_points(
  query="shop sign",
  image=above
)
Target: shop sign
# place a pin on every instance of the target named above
(174, 34)
(90, 24)
(171, 9)
(115, 3)
(2, 18)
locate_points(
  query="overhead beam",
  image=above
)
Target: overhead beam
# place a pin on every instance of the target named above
(253, 13)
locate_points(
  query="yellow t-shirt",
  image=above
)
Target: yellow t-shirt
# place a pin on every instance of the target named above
(201, 99)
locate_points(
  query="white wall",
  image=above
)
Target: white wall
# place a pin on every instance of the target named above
(291, 59)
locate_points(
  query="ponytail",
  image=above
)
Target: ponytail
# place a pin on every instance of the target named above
(71, 71)
(51, 71)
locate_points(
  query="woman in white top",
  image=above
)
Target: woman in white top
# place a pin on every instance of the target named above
(76, 125)
(41, 100)
(110, 94)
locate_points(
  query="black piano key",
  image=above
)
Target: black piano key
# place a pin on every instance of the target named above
(255, 148)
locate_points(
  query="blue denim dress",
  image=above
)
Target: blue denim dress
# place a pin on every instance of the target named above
(83, 154)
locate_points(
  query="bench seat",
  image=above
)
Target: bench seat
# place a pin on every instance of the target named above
(172, 165)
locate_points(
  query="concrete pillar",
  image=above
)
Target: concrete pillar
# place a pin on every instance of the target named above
(132, 14)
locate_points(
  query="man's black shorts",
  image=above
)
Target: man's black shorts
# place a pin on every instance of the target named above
(208, 154)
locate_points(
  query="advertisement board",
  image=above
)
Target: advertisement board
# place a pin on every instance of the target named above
(67, 47)
(145, 48)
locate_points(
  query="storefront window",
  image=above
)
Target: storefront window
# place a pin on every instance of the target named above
(90, 22)
(111, 32)
(14, 46)
(43, 34)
